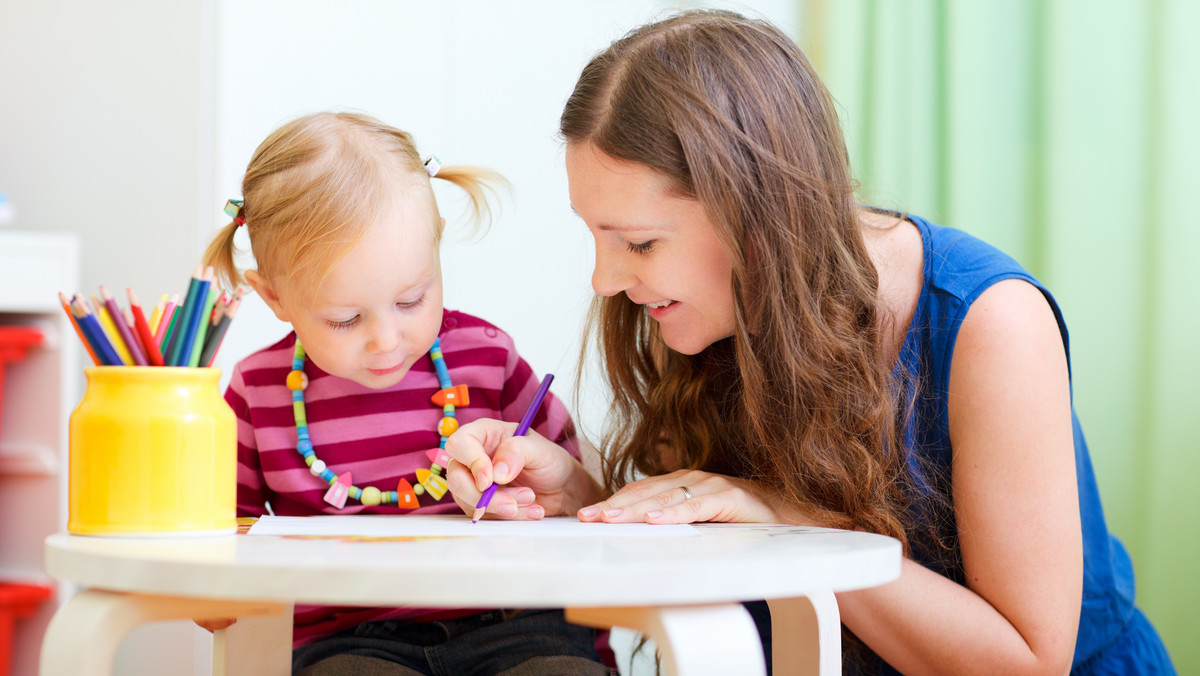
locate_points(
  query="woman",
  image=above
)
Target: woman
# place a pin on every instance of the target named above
(779, 353)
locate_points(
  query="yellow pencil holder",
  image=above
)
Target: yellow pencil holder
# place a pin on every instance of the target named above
(153, 452)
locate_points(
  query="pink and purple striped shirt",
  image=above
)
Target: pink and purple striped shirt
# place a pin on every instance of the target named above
(380, 436)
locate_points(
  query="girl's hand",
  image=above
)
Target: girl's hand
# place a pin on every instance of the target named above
(536, 477)
(709, 497)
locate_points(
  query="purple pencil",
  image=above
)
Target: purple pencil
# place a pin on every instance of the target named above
(118, 317)
(522, 428)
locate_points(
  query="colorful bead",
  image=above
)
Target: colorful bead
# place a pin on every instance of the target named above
(453, 396)
(338, 491)
(317, 467)
(434, 484)
(447, 426)
(406, 497)
(438, 456)
(370, 496)
(297, 380)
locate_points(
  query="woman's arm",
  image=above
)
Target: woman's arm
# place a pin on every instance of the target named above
(1016, 505)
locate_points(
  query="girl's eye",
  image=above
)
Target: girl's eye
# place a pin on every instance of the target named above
(642, 247)
(344, 324)
(412, 304)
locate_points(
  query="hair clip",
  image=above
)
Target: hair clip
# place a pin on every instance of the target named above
(432, 164)
(234, 208)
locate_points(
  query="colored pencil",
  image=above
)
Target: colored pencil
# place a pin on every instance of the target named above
(205, 319)
(179, 326)
(110, 329)
(123, 329)
(95, 332)
(522, 428)
(217, 335)
(156, 315)
(87, 344)
(190, 326)
(163, 333)
(153, 354)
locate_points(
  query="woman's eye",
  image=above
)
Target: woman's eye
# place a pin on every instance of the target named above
(642, 247)
(344, 324)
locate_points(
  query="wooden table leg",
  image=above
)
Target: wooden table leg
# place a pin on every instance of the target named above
(701, 639)
(806, 635)
(84, 634)
(255, 646)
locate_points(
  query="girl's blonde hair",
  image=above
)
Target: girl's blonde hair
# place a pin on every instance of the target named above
(316, 184)
(731, 111)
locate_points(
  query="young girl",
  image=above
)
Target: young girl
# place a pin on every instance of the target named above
(778, 352)
(348, 413)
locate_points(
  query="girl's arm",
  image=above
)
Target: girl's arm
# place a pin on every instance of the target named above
(1016, 505)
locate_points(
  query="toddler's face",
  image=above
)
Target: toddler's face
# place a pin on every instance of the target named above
(380, 308)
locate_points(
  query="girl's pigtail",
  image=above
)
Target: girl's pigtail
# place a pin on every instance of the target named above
(483, 187)
(220, 253)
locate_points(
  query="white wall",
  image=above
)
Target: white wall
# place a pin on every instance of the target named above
(130, 123)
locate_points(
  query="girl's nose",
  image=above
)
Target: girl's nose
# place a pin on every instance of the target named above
(383, 336)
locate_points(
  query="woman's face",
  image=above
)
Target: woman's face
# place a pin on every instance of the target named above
(656, 247)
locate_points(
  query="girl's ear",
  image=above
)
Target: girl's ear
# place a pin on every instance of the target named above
(265, 291)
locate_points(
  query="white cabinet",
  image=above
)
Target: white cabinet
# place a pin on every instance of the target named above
(40, 391)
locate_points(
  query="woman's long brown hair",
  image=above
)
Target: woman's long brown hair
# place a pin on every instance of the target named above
(799, 398)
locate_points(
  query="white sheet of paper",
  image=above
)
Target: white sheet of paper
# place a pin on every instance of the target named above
(452, 525)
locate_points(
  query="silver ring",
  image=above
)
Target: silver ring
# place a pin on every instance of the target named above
(687, 495)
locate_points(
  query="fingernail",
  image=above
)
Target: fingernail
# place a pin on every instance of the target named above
(481, 482)
(612, 513)
(536, 512)
(525, 496)
(653, 515)
(500, 473)
(589, 512)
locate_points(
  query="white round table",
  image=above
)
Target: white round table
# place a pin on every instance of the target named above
(684, 592)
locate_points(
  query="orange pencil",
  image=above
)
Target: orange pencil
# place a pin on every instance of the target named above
(153, 354)
(66, 305)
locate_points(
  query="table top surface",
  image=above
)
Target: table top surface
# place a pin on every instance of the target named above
(726, 563)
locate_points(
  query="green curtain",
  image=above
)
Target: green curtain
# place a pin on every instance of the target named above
(1067, 133)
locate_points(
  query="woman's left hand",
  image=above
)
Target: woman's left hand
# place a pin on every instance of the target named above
(687, 496)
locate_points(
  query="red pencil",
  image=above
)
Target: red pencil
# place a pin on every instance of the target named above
(153, 354)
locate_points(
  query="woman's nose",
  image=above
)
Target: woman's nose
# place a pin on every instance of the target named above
(610, 276)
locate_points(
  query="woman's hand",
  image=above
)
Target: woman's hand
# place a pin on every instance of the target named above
(536, 477)
(688, 496)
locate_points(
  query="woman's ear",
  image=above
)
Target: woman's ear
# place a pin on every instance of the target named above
(265, 291)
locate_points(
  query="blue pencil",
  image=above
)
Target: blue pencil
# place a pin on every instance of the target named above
(95, 334)
(193, 324)
(189, 303)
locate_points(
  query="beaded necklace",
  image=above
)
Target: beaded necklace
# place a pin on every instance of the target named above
(341, 486)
